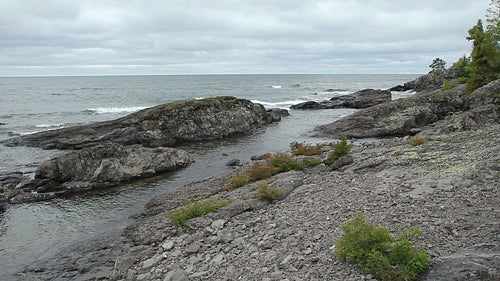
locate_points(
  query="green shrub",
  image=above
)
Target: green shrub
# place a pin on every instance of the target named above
(417, 141)
(268, 194)
(376, 252)
(304, 149)
(340, 149)
(239, 180)
(284, 163)
(448, 85)
(259, 172)
(194, 210)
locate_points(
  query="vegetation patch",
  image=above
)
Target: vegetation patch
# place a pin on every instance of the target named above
(304, 149)
(267, 193)
(377, 252)
(194, 210)
(417, 141)
(339, 149)
(449, 85)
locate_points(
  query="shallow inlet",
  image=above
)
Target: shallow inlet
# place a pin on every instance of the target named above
(77, 237)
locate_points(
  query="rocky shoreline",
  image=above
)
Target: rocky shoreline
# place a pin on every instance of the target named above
(448, 187)
(130, 148)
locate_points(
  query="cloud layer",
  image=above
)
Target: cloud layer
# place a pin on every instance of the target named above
(66, 37)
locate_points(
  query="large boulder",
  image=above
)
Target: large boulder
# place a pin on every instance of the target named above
(105, 165)
(398, 118)
(162, 125)
(360, 99)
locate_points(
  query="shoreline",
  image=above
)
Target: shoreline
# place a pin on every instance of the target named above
(448, 187)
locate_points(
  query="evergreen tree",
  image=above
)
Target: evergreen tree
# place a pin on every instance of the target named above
(493, 21)
(437, 65)
(484, 58)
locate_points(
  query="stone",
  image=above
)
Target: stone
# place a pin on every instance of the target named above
(399, 117)
(360, 99)
(176, 275)
(106, 165)
(167, 246)
(233, 162)
(163, 125)
(218, 224)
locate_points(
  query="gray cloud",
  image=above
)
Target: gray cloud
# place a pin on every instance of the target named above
(63, 37)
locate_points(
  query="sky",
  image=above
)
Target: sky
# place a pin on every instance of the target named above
(146, 37)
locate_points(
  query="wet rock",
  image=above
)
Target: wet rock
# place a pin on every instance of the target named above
(162, 125)
(275, 114)
(106, 165)
(233, 162)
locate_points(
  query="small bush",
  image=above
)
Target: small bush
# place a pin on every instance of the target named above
(259, 172)
(448, 85)
(268, 194)
(284, 163)
(340, 149)
(311, 162)
(378, 253)
(304, 149)
(194, 210)
(417, 141)
(239, 180)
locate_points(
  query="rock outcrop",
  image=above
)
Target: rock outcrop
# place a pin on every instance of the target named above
(429, 82)
(400, 117)
(105, 165)
(162, 125)
(360, 99)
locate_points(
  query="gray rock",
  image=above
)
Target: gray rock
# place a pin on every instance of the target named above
(360, 99)
(233, 162)
(218, 224)
(176, 275)
(275, 114)
(479, 262)
(398, 118)
(431, 81)
(162, 125)
(106, 165)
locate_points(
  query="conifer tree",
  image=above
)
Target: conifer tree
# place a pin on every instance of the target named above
(484, 58)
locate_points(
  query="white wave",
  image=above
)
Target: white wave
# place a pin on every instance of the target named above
(49, 125)
(276, 86)
(334, 93)
(280, 104)
(105, 110)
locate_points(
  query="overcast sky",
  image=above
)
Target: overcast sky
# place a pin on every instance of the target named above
(114, 37)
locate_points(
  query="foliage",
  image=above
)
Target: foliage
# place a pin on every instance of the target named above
(437, 65)
(417, 141)
(304, 149)
(340, 149)
(485, 59)
(284, 163)
(493, 21)
(268, 194)
(378, 253)
(463, 65)
(239, 180)
(448, 85)
(194, 210)
(259, 172)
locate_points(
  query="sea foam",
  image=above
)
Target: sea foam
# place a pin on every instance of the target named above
(107, 110)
